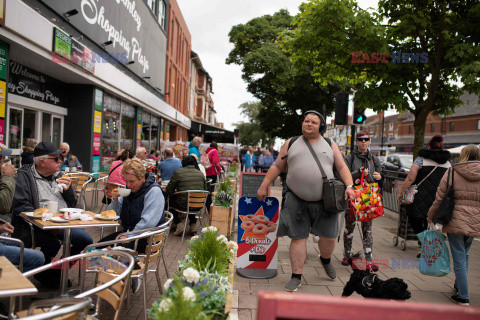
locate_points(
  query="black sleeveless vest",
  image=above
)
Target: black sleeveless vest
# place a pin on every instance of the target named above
(132, 206)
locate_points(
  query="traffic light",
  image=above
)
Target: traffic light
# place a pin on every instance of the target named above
(341, 108)
(358, 116)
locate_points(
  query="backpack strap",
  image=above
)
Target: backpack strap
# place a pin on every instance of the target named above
(292, 140)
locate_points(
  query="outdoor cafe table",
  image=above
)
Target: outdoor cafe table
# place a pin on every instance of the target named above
(67, 229)
(13, 284)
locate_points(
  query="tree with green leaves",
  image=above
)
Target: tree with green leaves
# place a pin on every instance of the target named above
(285, 92)
(337, 39)
(251, 132)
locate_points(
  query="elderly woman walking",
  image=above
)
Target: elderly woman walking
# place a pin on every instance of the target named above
(465, 222)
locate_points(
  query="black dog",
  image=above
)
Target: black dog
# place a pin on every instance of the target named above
(369, 285)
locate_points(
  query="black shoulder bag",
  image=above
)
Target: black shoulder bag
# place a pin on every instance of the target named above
(445, 210)
(333, 189)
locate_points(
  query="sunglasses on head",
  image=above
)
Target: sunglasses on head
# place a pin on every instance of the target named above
(363, 139)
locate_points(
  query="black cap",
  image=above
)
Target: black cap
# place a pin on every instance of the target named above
(44, 148)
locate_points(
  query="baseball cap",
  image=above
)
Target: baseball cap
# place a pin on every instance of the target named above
(44, 148)
(4, 151)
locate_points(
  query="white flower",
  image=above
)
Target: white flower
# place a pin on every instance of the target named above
(188, 294)
(167, 284)
(165, 304)
(191, 275)
(232, 252)
(212, 228)
(232, 245)
(222, 238)
(193, 238)
(204, 230)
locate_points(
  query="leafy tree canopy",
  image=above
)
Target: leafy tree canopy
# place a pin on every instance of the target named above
(328, 31)
(285, 92)
(251, 133)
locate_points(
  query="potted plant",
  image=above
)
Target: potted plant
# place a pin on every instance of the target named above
(221, 211)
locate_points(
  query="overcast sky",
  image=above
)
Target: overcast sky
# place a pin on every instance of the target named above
(209, 22)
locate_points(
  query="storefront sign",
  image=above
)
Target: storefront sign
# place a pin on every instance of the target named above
(97, 122)
(167, 130)
(162, 123)
(139, 134)
(96, 144)
(62, 43)
(257, 237)
(95, 164)
(2, 131)
(32, 84)
(3, 59)
(98, 99)
(77, 53)
(3, 94)
(128, 26)
(88, 63)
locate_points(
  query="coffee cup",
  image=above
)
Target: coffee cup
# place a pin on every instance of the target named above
(52, 206)
(67, 169)
(124, 192)
(73, 169)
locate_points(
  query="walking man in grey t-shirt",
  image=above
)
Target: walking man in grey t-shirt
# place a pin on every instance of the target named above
(303, 211)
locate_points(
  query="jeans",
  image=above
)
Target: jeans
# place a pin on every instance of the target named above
(31, 258)
(49, 243)
(459, 246)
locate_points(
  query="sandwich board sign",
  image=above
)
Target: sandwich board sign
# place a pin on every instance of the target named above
(257, 238)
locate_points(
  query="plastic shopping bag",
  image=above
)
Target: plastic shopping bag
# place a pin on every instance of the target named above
(368, 202)
(435, 257)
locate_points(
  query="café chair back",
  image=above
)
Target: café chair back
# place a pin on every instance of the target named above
(114, 280)
(82, 186)
(196, 205)
(22, 248)
(63, 308)
(98, 187)
(156, 238)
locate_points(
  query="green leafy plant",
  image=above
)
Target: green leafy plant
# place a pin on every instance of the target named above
(225, 186)
(208, 252)
(180, 302)
(223, 199)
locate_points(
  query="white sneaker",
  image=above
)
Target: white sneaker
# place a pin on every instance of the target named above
(315, 238)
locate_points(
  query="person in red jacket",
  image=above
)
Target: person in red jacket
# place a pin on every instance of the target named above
(215, 169)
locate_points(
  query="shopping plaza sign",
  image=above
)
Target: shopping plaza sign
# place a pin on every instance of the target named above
(124, 28)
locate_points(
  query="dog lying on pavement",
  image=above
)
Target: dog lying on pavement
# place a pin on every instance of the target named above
(369, 285)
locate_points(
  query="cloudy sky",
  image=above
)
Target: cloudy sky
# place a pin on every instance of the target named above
(209, 22)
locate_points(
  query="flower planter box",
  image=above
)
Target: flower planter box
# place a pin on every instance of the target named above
(229, 296)
(222, 218)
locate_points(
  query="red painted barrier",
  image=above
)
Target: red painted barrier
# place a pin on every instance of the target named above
(279, 305)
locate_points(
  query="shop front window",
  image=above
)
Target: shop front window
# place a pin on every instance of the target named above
(128, 126)
(155, 131)
(145, 142)
(110, 130)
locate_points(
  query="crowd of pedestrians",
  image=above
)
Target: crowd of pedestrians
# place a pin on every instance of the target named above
(257, 161)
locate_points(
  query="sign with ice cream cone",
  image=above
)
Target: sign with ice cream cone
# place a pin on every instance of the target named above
(257, 238)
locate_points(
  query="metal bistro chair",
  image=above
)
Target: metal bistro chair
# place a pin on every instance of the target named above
(84, 178)
(196, 200)
(63, 308)
(155, 244)
(114, 277)
(22, 247)
(98, 186)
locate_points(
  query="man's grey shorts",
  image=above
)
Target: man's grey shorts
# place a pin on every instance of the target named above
(298, 218)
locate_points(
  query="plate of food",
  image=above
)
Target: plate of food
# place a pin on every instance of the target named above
(37, 213)
(71, 210)
(107, 215)
(59, 219)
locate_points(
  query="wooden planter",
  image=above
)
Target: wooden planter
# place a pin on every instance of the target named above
(229, 297)
(222, 218)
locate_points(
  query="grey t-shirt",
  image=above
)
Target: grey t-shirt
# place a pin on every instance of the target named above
(48, 190)
(304, 177)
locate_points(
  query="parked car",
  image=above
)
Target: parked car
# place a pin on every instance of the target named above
(399, 162)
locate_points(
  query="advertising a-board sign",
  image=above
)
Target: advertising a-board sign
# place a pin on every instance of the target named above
(257, 237)
(250, 182)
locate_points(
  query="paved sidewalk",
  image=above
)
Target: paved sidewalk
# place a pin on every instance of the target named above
(315, 281)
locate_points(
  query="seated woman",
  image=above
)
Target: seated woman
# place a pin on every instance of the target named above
(187, 178)
(143, 208)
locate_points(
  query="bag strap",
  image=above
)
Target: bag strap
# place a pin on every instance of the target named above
(428, 175)
(324, 176)
(114, 168)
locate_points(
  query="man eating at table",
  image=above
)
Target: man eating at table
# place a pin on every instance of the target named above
(36, 185)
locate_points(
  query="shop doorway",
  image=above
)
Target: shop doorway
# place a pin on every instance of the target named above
(26, 123)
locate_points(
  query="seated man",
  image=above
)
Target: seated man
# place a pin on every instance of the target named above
(70, 160)
(143, 208)
(36, 185)
(168, 166)
(187, 178)
(141, 153)
(11, 250)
